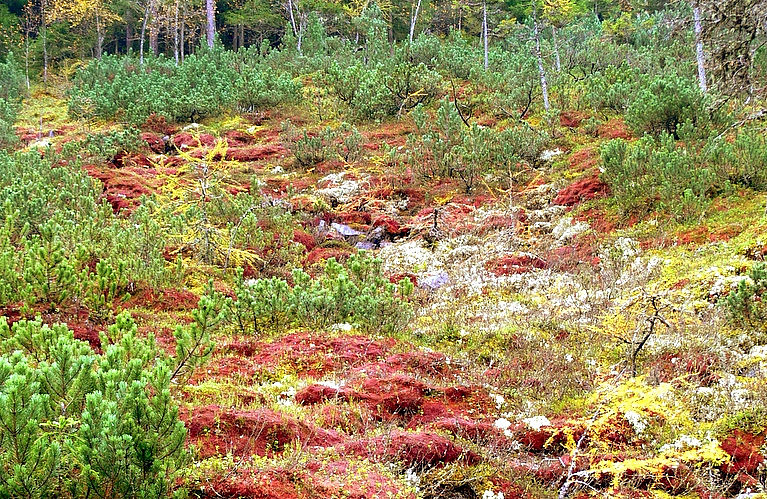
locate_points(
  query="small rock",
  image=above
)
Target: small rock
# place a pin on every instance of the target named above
(436, 281)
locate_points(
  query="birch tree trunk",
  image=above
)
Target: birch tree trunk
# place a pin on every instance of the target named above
(541, 70)
(143, 34)
(99, 37)
(699, 49)
(183, 29)
(153, 27)
(43, 7)
(556, 49)
(175, 34)
(210, 13)
(413, 20)
(484, 29)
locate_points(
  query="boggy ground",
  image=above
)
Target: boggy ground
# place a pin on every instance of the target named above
(517, 376)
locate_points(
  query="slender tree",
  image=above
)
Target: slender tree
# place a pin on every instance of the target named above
(210, 15)
(539, 57)
(699, 47)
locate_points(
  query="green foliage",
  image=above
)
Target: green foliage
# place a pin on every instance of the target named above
(382, 86)
(207, 83)
(446, 147)
(59, 245)
(11, 92)
(746, 304)
(356, 293)
(614, 88)
(193, 342)
(105, 146)
(658, 174)
(309, 149)
(666, 103)
(73, 423)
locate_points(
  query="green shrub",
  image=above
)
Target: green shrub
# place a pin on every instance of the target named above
(746, 304)
(208, 83)
(11, 92)
(659, 174)
(356, 293)
(446, 147)
(77, 424)
(666, 103)
(614, 88)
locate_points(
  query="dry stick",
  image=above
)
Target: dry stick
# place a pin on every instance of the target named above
(455, 103)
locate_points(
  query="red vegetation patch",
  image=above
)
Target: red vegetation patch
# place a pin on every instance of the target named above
(585, 159)
(572, 119)
(236, 138)
(395, 278)
(163, 300)
(86, 331)
(615, 128)
(155, 142)
(582, 190)
(123, 187)
(242, 481)
(158, 124)
(186, 140)
(599, 221)
(567, 258)
(413, 450)
(515, 264)
(320, 254)
(255, 153)
(391, 226)
(745, 450)
(354, 217)
(500, 222)
(316, 354)
(698, 367)
(218, 431)
(305, 239)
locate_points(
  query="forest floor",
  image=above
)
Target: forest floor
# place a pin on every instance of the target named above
(524, 371)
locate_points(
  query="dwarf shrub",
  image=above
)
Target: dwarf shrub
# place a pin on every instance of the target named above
(208, 83)
(666, 103)
(745, 304)
(77, 424)
(356, 293)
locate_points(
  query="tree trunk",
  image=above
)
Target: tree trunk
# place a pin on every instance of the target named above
(99, 37)
(484, 29)
(557, 61)
(143, 34)
(43, 7)
(26, 50)
(541, 71)
(175, 34)
(699, 49)
(414, 20)
(210, 14)
(183, 29)
(153, 28)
